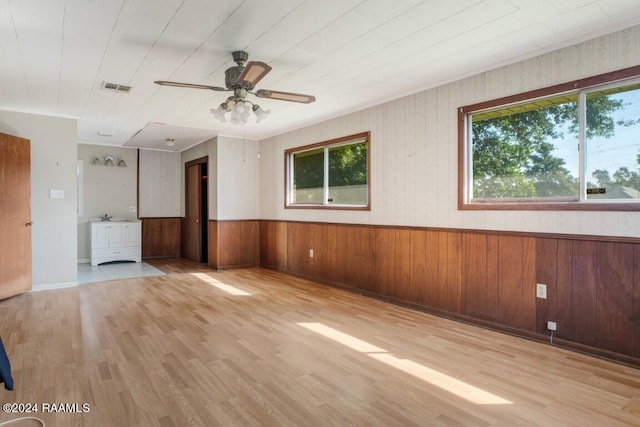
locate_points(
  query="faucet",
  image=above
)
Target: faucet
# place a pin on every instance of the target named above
(106, 218)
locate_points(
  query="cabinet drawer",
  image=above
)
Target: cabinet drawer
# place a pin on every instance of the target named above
(98, 256)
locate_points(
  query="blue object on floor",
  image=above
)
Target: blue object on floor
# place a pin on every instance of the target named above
(5, 368)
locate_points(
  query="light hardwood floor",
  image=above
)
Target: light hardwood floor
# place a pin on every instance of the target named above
(255, 347)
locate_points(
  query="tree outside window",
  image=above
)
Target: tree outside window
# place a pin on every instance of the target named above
(528, 151)
(332, 174)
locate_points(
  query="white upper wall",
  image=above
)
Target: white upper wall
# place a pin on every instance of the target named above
(204, 149)
(233, 177)
(109, 190)
(159, 184)
(414, 149)
(53, 166)
(238, 178)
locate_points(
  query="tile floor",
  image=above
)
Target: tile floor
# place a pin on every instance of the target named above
(123, 270)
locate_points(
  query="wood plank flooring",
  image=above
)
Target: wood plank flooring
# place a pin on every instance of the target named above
(255, 347)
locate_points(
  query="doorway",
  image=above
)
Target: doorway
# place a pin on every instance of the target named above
(197, 210)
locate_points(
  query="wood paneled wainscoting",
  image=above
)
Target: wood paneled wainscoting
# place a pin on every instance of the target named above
(483, 277)
(234, 243)
(161, 237)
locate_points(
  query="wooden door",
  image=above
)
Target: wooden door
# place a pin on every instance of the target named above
(193, 216)
(15, 215)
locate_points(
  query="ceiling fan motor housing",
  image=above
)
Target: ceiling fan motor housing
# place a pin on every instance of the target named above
(240, 57)
(231, 77)
(231, 74)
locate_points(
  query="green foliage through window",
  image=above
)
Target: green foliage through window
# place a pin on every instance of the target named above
(529, 151)
(334, 173)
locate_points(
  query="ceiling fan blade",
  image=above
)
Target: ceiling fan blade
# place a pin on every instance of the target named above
(286, 96)
(253, 72)
(188, 85)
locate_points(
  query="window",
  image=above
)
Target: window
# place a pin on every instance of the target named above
(571, 146)
(332, 174)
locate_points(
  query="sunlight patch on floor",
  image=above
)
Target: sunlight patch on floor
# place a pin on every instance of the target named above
(342, 338)
(452, 385)
(231, 290)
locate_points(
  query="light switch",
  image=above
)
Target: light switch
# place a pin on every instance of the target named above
(56, 194)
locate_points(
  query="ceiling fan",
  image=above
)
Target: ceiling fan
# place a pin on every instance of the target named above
(241, 80)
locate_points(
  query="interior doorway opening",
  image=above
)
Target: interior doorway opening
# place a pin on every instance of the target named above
(197, 210)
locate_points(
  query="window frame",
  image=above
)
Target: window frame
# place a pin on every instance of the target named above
(464, 149)
(288, 171)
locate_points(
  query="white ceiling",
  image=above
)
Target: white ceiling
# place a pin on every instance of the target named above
(350, 54)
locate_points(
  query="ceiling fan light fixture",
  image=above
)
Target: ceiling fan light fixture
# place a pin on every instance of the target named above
(219, 112)
(239, 116)
(241, 80)
(240, 108)
(260, 113)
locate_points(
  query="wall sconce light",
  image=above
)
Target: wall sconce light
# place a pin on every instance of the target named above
(108, 160)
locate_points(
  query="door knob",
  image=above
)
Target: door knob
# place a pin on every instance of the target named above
(29, 224)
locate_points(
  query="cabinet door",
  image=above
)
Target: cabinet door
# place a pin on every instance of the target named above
(132, 234)
(99, 236)
(116, 235)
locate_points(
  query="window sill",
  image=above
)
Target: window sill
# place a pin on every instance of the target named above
(551, 206)
(330, 207)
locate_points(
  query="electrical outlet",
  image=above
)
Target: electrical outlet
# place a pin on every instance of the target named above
(310, 253)
(552, 326)
(541, 290)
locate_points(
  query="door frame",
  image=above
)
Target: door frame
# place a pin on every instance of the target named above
(202, 207)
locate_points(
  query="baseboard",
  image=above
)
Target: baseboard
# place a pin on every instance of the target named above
(52, 286)
(83, 261)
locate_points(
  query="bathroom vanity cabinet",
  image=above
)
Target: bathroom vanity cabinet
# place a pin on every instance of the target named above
(116, 241)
